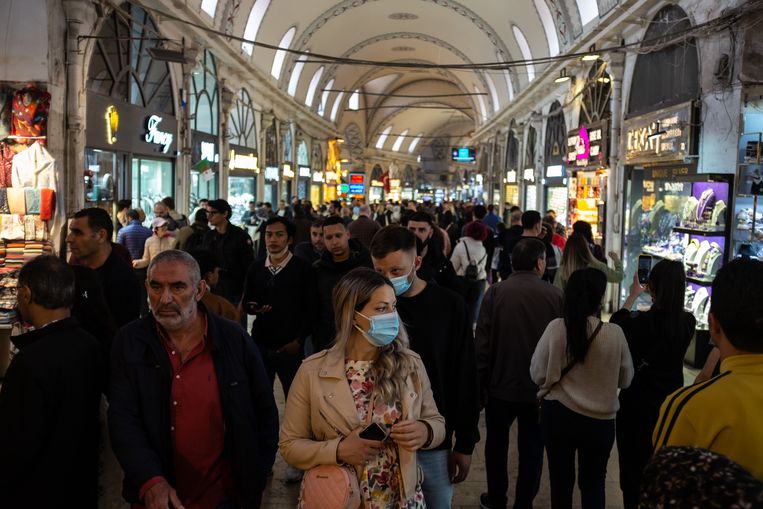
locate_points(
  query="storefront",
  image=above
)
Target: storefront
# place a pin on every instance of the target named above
(587, 149)
(330, 192)
(511, 177)
(243, 161)
(531, 189)
(272, 174)
(588, 153)
(205, 132)
(376, 188)
(131, 140)
(303, 170)
(287, 167)
(555, 172)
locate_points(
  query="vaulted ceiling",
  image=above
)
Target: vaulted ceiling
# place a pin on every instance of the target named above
(416, 101)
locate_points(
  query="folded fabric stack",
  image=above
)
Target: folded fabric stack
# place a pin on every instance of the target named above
(11, 227)
(2, 253)
(14, 254)
(8, 292)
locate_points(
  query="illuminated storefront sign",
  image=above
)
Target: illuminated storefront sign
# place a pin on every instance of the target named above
(661, 136)
(243, 161)
(304, 171)
(331, 177)
(287, 171)
(357, 184)
(157, 137)
(511, 177)
(587, 146)
(112, 124)
(271, 173)
(555, 171)
(318, 176)
(529, 175)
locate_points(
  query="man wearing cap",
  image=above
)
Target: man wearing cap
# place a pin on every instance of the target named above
(232, 246)
(160, 241)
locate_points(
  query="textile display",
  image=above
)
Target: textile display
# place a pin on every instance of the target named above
(4, 208)
(6, 165)
(32, 199)
(34, 167)
(17, 200)
(47, 204)
(30, 112)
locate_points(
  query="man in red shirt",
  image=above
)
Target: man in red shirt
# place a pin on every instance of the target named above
(192, 417)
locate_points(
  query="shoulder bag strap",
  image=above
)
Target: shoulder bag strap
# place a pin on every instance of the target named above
(571, 365)
(467, 252)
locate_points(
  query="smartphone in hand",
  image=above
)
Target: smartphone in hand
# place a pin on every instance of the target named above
(644, 268)
(374, 431)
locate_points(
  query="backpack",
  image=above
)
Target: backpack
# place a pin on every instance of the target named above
(472, 272)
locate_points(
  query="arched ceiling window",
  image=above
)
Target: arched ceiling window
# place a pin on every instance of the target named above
(294, 79)
(288, 140)
(669, 76)
(481, 101)
(204, 98)
(275, 69)
(556, 136)
(209, 6)
(506, 76)
(241, 127)
(548, 26)
(354, 101)
(414, 143)
(253, 23)
(337, 103)
(524, 47)
(303, 157)
(313, 87)
(596, 95)
(493, 92)
(588, 9)
(399, 141)
(122, 68)
(325, 97)
(383, 137)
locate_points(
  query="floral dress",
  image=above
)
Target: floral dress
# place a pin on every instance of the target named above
(381, 480)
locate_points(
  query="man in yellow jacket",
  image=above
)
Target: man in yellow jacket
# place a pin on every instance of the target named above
(725, 413)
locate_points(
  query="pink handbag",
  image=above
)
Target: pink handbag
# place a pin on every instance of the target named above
(330, 487)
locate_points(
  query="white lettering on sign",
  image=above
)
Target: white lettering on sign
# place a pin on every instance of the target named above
(208, 152)
(529, 174)
(595, 135)
(155, 136)
(243, 162)
(675, 187)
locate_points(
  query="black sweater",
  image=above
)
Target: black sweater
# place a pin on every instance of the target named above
(440, 333)
(289, 293)
(49, 419)
(658, 342)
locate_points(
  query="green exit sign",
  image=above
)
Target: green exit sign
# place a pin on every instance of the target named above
(344, 188)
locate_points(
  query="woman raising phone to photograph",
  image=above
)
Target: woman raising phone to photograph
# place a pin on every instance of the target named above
(368, 377)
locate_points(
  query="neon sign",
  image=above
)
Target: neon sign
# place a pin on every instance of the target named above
(157, 137)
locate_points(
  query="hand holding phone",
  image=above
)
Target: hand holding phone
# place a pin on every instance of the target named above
(374, 431)
(644, 268)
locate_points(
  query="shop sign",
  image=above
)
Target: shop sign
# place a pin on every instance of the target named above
(287, 171)
(271, 173)
(555, 171)
(318, 177)
(112, 124)
(661, 136)
(157, 137)
(128, 128)
(511, 177)
(357, 184)
(331, 176)
(529, 175)
(304, 171)
(669, 172)
(587, 146)
(243, 161)
(377, 183)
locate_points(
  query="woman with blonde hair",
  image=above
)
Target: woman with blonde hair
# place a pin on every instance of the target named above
(577, 255)
(368, 376)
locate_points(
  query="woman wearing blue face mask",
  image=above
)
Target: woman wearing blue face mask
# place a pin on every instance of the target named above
(368, 376)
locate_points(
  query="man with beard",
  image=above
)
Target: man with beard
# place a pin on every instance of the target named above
(192, 417)
(435, 266)
(311, 250)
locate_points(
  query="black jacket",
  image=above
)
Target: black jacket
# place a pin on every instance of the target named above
(49, 419)
(139, 413)
(327, 275)
(235, 252)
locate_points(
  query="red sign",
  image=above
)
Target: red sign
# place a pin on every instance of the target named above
(357, 178)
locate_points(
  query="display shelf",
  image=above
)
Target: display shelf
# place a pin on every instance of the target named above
(676, 258)
(702, 281)
(702, 233)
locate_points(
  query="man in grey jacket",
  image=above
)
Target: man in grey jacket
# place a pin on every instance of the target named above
(512, 319)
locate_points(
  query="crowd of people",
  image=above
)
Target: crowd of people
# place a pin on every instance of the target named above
(390, 329)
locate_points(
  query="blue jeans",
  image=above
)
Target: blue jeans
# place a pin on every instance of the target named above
(437, 489)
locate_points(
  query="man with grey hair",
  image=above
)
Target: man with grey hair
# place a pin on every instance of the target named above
(192, 417)
(50, 396)
(364, 228)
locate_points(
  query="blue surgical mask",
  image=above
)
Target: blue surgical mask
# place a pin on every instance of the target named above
(401, 284)
(383, 329)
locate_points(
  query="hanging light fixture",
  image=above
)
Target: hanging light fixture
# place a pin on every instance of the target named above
(562, 76)
(592, 55)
